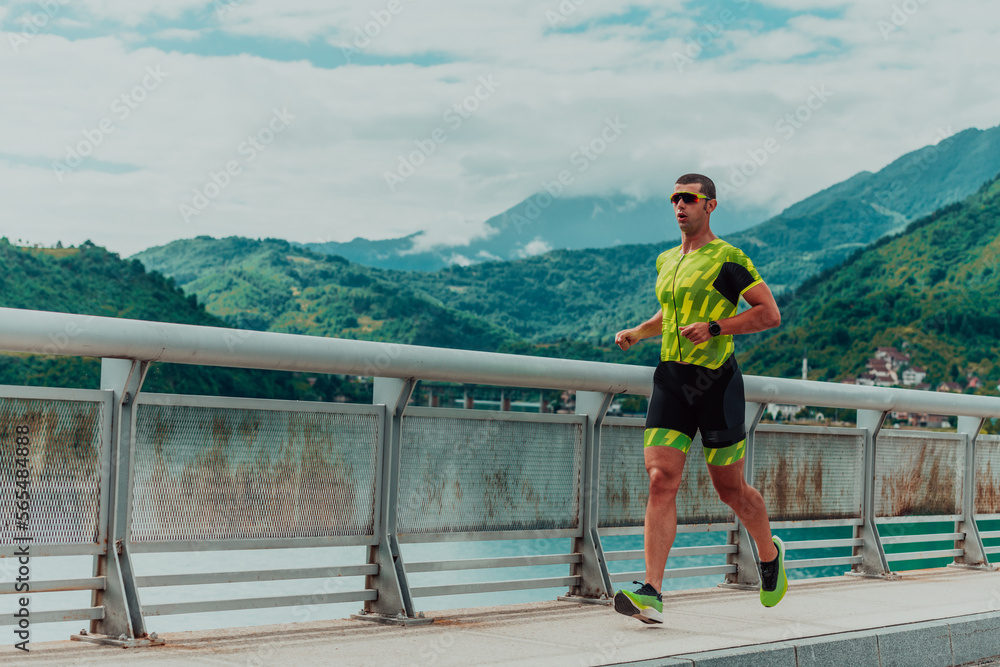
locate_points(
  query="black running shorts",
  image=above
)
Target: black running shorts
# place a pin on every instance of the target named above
(687, 397)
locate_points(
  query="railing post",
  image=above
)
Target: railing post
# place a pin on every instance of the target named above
(873, 563)
(745, 558)
(974, 553)
(595, 580)
(120, 597)
(394, 603)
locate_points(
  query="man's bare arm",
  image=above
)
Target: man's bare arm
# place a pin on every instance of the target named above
(651, 327)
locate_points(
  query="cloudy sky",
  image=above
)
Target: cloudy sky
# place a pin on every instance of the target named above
(136, 122)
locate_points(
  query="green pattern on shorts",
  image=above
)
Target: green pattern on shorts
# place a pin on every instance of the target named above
(666, 437)
(724, 456)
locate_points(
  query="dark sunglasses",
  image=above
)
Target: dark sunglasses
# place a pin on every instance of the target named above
(688, 197)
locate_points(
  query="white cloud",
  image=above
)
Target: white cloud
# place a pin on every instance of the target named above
(136, 13)
(324, 177)
(538, 246)
(178, 33)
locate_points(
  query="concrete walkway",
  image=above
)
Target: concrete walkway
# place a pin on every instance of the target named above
(933, 617)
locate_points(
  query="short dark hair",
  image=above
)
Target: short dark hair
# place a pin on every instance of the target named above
(707, 186)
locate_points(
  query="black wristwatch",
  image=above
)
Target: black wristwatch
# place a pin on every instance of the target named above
(714, 328)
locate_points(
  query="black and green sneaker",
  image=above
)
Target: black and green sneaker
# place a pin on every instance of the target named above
(645, 604)
(773, 580)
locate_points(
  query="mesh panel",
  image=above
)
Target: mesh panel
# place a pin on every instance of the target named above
(988, 474)
(461, 475)
(625, 485)
(224, 473)
(918, 475)
(64, 458)
(809, 475)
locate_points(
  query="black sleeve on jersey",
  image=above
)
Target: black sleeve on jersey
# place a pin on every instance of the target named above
(733, 278)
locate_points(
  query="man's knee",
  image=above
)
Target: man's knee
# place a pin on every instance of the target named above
(664, 482)
(731, 494)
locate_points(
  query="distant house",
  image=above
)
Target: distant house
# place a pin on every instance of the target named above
(936, 421)
(866, 380)
(786, 411)
(974, 382)
(882, 373)
(913, 375)
(950, 386)
(922, 419)
(893, 357)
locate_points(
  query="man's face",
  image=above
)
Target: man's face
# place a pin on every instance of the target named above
(691, 218)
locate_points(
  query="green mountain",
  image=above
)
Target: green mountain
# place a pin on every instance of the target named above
(826, 228)
(272, 285)
(819, 231)
(538, 224)
(89, 280)
(590, 294)
(585, 295)
(571, 302)
(933, 289)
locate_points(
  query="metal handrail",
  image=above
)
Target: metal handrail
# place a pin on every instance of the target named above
(42, 332)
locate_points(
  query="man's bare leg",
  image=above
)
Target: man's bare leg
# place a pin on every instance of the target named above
(664, 466)
(747, 503)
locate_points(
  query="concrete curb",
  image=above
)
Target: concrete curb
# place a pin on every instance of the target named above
(947, 642)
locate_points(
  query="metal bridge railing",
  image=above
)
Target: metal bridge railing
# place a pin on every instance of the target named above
(116, 472)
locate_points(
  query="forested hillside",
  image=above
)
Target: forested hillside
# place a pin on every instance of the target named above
(89, 280)
(589, 294)
(817, 232)
(933, 289)
(825, 229)
(563, 295)
(271, 285)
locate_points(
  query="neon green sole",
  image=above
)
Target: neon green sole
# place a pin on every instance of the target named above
(771, 598)
(646, 609)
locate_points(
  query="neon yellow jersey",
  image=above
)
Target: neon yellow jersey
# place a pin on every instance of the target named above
(703, 285)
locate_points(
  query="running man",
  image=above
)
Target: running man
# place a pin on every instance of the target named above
(698, 385)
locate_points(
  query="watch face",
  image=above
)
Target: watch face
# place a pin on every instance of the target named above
(714, 328)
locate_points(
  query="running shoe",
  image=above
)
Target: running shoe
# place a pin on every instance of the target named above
(645, 604)
(773, 581)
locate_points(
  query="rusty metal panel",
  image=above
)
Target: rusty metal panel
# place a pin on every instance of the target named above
(987, 499)
(488, 471)
(918, 474)
(218, 469)
(809, 473)
(625, 485)
(65, 447)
